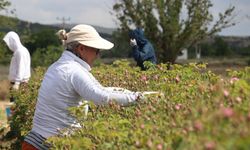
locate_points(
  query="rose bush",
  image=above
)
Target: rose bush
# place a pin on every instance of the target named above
(196, 110)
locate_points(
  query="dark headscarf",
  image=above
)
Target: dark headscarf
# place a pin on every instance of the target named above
(138, 35)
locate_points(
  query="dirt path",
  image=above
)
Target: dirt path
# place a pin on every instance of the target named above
(3, 103)
(4, 127)
(3, 118)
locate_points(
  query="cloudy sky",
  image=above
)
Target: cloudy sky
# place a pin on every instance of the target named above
(97, 12)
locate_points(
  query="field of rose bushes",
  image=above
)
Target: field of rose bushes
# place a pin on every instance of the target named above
(195, 110)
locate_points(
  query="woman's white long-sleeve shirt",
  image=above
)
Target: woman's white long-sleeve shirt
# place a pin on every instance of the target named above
(65, 83)
(19, 70)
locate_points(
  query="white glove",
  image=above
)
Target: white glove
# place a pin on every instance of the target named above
(143, 95)
(86, 107)
(133, 42)
(152, 93)
(15, 86)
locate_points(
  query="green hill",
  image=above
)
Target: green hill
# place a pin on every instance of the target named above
(15, 24)
(10, 23)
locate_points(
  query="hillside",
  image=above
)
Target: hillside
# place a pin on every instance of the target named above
(233, 41)
(35, 27)
(98, 28)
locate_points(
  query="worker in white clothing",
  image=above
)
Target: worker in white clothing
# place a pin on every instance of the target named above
(69, 80)
(19, 71)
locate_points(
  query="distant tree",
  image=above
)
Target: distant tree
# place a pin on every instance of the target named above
(207, 49)
(121, 49)
(46, 56)
(244, 51)
(4, 4)
(172, 25)
(42, 39)
(7, 21)
(221, 47)
(44, 47)
(4, 52)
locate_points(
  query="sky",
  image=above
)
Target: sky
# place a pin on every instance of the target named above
(98, 12)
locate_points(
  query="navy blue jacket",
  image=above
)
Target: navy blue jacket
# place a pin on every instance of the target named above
(144, 50)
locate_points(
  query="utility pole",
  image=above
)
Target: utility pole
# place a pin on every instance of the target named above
(63, 20)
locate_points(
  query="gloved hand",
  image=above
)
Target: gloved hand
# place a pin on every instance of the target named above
(143, 95)
(15, 86)
(86, 107)
(133, 42)
(152, 93)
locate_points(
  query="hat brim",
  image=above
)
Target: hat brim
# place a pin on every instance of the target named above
(99, 43)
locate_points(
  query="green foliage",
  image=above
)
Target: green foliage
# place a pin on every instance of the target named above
(4, 4)
(5, 53)
(196, 109)
(42, 39)
(44, 46)
(6, 22)
(165, 25)
(221, 47)
(46, 56)
(122, 48)
(217, 48)
(23, 111)
(244, 51)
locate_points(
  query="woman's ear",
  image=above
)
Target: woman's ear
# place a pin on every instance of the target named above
(81, 47)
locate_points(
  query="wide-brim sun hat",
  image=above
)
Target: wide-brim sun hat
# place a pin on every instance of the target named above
(88, 36)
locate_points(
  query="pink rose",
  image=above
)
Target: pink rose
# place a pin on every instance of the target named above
(233, 79)
(226, 93)
(227, 112)
(198, 125)
(144, 78)
(210, 145)
(159, 147)
(177, 107)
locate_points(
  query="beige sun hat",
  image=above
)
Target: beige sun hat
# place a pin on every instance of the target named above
(86, 35)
